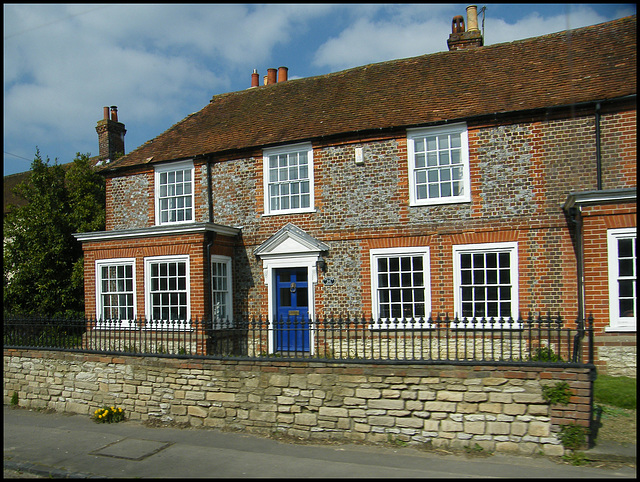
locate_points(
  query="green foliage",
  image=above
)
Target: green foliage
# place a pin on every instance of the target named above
(573, 436)
(43, 268)
(545, 354)
(14, 399)
(617, 391)
(575, 458)
(108, 415)
(558, 394)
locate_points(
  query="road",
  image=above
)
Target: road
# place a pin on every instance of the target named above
(74, 446)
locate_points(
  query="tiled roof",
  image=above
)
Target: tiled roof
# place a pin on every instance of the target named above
(586, 64)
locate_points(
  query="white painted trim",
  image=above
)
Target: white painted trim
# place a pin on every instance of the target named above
(215, 258)
(376, 253)
(163, 230)
(303, 146)
(617, 323)
(99, 263)
(147, 281)
(269, 265)
(461, 128)
(509, 247)
(174, 166)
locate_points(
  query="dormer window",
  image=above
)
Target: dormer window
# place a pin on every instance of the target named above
(288, 179)
(174, 193)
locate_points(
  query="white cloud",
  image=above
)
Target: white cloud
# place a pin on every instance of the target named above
(533, 25)
(160, 62)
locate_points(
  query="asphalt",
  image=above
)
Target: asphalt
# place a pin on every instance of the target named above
(59, 445)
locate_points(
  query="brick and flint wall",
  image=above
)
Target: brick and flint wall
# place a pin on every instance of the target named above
(521, 174)
(497, 408)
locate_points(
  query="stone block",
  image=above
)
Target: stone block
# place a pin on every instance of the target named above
(368, 393)
(333, 412)
(528, 398)
(382, 421)
(518, 428)
(552, 450)
(447, 396)
(514, 409)
(221, 397)
(279, 381)
(386, 404)
(440, 406)
(538, 429)
(534, 409)
(450, 426)
(409, 422)
(196, 411)
(477, 428)
(475, 397)
(308, 419)
(507, 447)
(498, 428)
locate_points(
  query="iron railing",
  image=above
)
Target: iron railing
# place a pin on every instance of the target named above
(540, 339)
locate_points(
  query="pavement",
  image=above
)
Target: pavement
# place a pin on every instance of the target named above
(60, 445)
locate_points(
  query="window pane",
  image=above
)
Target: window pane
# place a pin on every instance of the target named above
(625, 267)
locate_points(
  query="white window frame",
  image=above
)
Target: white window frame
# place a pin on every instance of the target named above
(126, 322)
(147, 285)
(484, 248)
(167, 168)
(294, 148)
(617, 322)
(227, 293)
(375, 255)
(416, 134)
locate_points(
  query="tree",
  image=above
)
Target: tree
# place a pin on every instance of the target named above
(43, 265)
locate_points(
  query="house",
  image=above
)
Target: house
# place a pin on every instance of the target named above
(483, 181)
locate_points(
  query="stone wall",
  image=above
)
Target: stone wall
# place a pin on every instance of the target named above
(499, 408)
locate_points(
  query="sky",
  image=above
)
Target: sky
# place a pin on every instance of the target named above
(158, 63)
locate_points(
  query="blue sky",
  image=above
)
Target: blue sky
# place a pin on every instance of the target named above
(160, 63)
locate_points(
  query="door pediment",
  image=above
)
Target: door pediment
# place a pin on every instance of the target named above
(290, 241)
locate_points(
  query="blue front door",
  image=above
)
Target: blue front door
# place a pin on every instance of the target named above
(292, 310)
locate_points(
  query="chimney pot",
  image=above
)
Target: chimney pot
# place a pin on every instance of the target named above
(472, 18)
(457, 24)
(105, 112)
(282, 74)
(114, 113)
(255, 78)
(272, 76)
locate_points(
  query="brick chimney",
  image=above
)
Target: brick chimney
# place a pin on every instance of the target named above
(472, 38)
(110, 135)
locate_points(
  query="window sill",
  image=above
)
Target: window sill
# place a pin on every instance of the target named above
(620, 329)
(439, 202)
(287, 213)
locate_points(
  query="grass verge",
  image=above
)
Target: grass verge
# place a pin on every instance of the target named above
(616, 391)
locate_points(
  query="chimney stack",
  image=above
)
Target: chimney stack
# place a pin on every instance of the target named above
(110, 134)
(472, 38)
